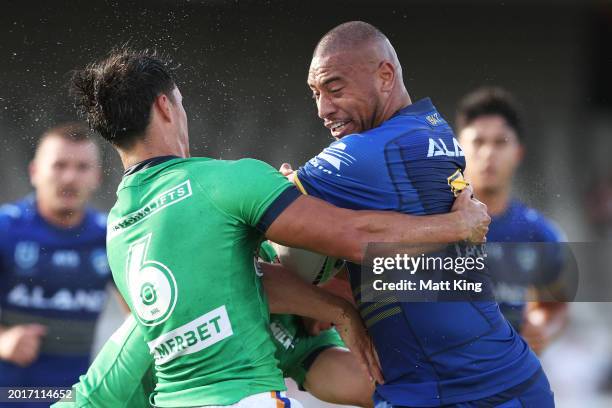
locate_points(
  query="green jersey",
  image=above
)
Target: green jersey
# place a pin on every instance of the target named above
(123, 376)
(181, 243)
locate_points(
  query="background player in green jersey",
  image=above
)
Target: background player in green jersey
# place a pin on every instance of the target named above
(318, 363)
(183, 233)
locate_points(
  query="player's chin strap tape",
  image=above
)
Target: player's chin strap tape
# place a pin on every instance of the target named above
(277, 207)
(298, 183)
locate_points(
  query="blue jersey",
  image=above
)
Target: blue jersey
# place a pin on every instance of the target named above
(516, 263)
(56, 277)
(432, 353)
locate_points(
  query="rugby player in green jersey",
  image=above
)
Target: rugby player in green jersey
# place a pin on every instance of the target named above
(182, 236)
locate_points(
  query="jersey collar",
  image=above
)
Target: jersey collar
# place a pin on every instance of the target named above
(420, 107)
(147, 164)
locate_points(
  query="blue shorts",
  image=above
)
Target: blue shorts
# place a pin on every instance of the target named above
(533, 393)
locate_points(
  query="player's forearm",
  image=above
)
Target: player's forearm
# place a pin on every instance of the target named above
(376, 226)
(288, 293)
(312, 224)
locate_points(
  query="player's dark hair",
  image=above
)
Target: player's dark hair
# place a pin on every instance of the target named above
(489, 101)
(115, 94)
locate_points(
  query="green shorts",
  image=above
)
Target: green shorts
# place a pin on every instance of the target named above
(295, 349)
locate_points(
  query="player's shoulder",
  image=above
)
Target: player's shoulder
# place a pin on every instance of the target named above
(228, 179)
(205, 170)
(15, 212)
(421, 116)
(418, 124)
(96, 220)
(244, 165)
(541, 228)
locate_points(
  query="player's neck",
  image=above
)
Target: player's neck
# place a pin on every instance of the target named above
(150, 147)
(61, 219)
(403, 100)
(497, 201)
(395, 104)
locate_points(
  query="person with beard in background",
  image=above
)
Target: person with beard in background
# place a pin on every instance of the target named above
(53, 267)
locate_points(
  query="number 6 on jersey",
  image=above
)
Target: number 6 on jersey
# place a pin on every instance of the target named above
(151, 285)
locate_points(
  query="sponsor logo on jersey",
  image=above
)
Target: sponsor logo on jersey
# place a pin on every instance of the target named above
(164, 200)
(100, 262)
(66, 258)
(192, 337)
(457, 182)
(435, 119)
(63, 299)
(439, 148)
(26, 254)
(335, 155)
(282, 335)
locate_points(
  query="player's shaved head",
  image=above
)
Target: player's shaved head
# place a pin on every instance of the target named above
(356, 78)
(359, 39)
(347, 36)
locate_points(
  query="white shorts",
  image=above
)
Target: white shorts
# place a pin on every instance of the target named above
(272, 399)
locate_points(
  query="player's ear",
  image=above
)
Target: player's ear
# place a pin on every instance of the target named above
(98, 177)
(386, 75)
(32, 171)
(520, 153)
(162, 106)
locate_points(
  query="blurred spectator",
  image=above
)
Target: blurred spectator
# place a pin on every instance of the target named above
(490, 132)
(53, 265)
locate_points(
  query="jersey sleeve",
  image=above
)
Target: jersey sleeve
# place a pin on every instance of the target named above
(116, 376)
(253, 192)
(338, 174)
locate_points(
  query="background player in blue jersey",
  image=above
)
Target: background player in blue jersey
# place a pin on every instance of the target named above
(393, 154)
(53, 265)
(489, 129)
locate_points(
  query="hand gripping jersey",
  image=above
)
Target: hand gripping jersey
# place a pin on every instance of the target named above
(431, 353)
(181, 241)
(56, 277)
(523, 251)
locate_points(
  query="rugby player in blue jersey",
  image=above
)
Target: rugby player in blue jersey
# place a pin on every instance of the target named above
(393, 154)
(53, 265)
(490, 132)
